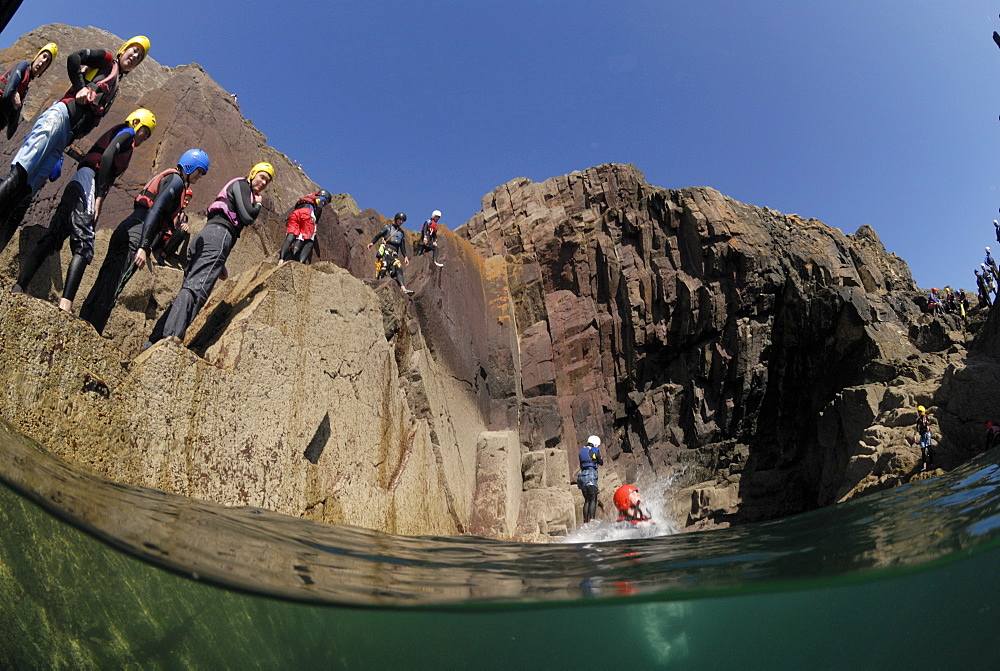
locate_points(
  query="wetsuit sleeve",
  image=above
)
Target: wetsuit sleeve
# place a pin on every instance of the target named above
(242, 198)
(105, 173)
(167, 200)
(78, 61)
(600, 461)
(14, 80)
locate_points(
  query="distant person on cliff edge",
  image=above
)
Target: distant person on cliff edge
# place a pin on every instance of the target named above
(14, 86)
(80, 206)
(130, 245)
(590, 459)
(429, 238)
(94, 75)
(992, 434)
(923, 437)
(983, 291)
(392, 253)
(235, 208)
(996, 229)
(629, 502)
(300, 232)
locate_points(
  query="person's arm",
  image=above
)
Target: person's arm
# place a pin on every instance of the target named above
(14, 80)
(600, 461)
(105, 171)
(167, 199)
(378, 236)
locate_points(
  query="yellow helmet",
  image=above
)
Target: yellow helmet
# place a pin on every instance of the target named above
(141, 117)
(921, 409)
(51, 48)
(263, 166)
(140, 41)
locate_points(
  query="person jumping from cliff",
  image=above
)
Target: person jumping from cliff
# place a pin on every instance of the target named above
(15, 82)
(590, 460)
(235, 208)
(94, 75)
(429, 238)
(157, 204)
(78, 210)
(300, 232)
(392, 253)
(629, 502)
(923, 437)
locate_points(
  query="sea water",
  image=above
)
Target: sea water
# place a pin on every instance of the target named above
(95, 574)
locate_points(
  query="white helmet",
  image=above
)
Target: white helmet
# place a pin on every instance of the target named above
(436, 213)
(987, 249)
(594, 441)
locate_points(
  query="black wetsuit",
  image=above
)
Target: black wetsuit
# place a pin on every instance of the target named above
(207, 257)
(395, 250)
(135, 232)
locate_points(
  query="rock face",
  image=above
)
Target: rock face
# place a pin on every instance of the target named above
(749, 364)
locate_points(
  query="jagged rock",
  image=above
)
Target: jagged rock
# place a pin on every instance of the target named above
(497, 496)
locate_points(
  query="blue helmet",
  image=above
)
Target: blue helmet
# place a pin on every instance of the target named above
(193, 159)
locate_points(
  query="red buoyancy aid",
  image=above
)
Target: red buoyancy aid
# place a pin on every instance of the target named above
(148, 195)
(92, 159)
(222, 206)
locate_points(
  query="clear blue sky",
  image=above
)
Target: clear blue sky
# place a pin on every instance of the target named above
(882, 112)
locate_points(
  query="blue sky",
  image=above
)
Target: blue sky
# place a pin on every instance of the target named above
(882, 113)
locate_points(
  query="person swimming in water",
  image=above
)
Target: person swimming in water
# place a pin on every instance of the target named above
(628, 500)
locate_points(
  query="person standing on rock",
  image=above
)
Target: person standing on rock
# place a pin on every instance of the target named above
(14, 86)
(300, 235)
(983, 290)
(590, 459)
(629, 503)
(234, 209)
(923, 437)
(76, 215)
(429, 237)
(393, 252)
(157, 204)
(992, 435)
(94, 75)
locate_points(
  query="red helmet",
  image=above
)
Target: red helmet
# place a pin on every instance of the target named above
(621, 496)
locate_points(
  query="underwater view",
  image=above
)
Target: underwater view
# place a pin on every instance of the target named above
(95, 574)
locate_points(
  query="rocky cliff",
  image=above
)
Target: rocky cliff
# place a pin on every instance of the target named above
(762, 363)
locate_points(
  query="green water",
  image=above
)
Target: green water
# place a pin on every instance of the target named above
(907, 579)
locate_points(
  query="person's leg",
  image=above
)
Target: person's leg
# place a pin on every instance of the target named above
(286, 247)
(210, 248)
(100, 301)
(304, 254)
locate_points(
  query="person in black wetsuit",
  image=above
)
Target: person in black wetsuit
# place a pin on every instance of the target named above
(159, 202)
(235, 208)
(393, 252)
(94, 75)
(15, 82)
(76, 215)
(429, 238)
(590, 460)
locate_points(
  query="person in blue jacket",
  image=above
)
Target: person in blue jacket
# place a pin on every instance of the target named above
(590, 459)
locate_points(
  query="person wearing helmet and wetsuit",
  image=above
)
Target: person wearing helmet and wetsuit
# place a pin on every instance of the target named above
(236, 207)
(14, 86)
(429, 237)
(158, 203)
(590, 459)
(394, 250)
(76, 215)
(94, 75)
(924, 437)
(300, 236)
(629, 503)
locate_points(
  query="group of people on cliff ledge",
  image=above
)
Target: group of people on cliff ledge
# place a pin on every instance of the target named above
(158, 223)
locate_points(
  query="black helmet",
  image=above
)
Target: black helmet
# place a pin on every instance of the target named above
(400, 216)
(325, 195)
